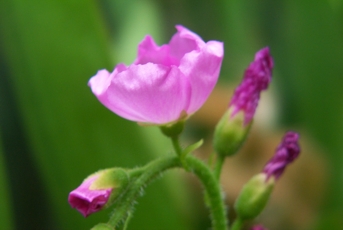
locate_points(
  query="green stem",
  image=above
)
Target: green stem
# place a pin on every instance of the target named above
(146, 174)
(136, 172)
(237, 224)
(179, 152)
(213, 191)
(151, 170)
(218, 167)
(129, 216)
(177, 146)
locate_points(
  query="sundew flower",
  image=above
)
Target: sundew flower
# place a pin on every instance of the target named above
(165, 83)
(256, 79)
(286, 153)
(87, 200)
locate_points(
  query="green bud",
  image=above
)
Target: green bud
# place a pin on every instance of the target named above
(230, 133)
(254, 196)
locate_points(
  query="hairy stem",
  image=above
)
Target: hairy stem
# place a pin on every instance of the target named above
(145, 174)
(237, 224)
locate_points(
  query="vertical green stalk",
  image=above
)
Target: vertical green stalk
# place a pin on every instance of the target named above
(176, 145)
(213, 191)
(209, 181)
(237, 224)
(218, 167)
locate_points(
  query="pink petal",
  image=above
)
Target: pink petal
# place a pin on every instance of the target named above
(148, 51)
(202, 69)
(102, 80)
(184, 41)
(148, 93)
(88, 201)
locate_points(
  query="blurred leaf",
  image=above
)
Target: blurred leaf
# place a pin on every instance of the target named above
(52, 48)
(5, 204)
(307, 40)
(131, 29)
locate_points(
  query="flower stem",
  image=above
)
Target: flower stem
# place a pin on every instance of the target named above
(237, 224)
(151, 170)
(177, 146)
(209, 180)
(155, 168)
(179, 152)
(213, 191)
(218, 167)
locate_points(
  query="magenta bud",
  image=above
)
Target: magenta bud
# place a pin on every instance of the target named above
(232, 129)
(256, 79)
(286, 153)
(98, 191)
(86, 200)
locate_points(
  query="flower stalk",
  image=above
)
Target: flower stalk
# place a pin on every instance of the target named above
(155, 168)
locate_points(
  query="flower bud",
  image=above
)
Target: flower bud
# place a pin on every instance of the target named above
(99, 190)
(230, 133)
(256, 192)
(234, 126)
(254, 196)
(286, 153)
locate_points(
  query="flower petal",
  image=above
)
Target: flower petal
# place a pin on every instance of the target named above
(202, 69)
(148, 51)
(148, 93)
(184, 41)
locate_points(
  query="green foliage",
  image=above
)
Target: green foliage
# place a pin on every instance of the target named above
(52, 48)
(5, 205)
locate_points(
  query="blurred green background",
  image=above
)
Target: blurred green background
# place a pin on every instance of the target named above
(53, 131)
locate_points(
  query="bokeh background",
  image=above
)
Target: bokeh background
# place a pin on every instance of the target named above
(53, 131)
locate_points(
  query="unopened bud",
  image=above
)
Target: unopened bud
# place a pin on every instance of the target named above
(230, 133)
(98, 191)
(254, 196)
(233, 127)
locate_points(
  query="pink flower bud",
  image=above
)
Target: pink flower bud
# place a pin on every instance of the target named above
(87, 200)
(286, 152)
(165, 83)
(99, 190)
(256, 79)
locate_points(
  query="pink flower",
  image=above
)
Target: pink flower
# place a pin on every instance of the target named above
(256, 79)
(165, 83)
(286, 153)
(86, 200)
